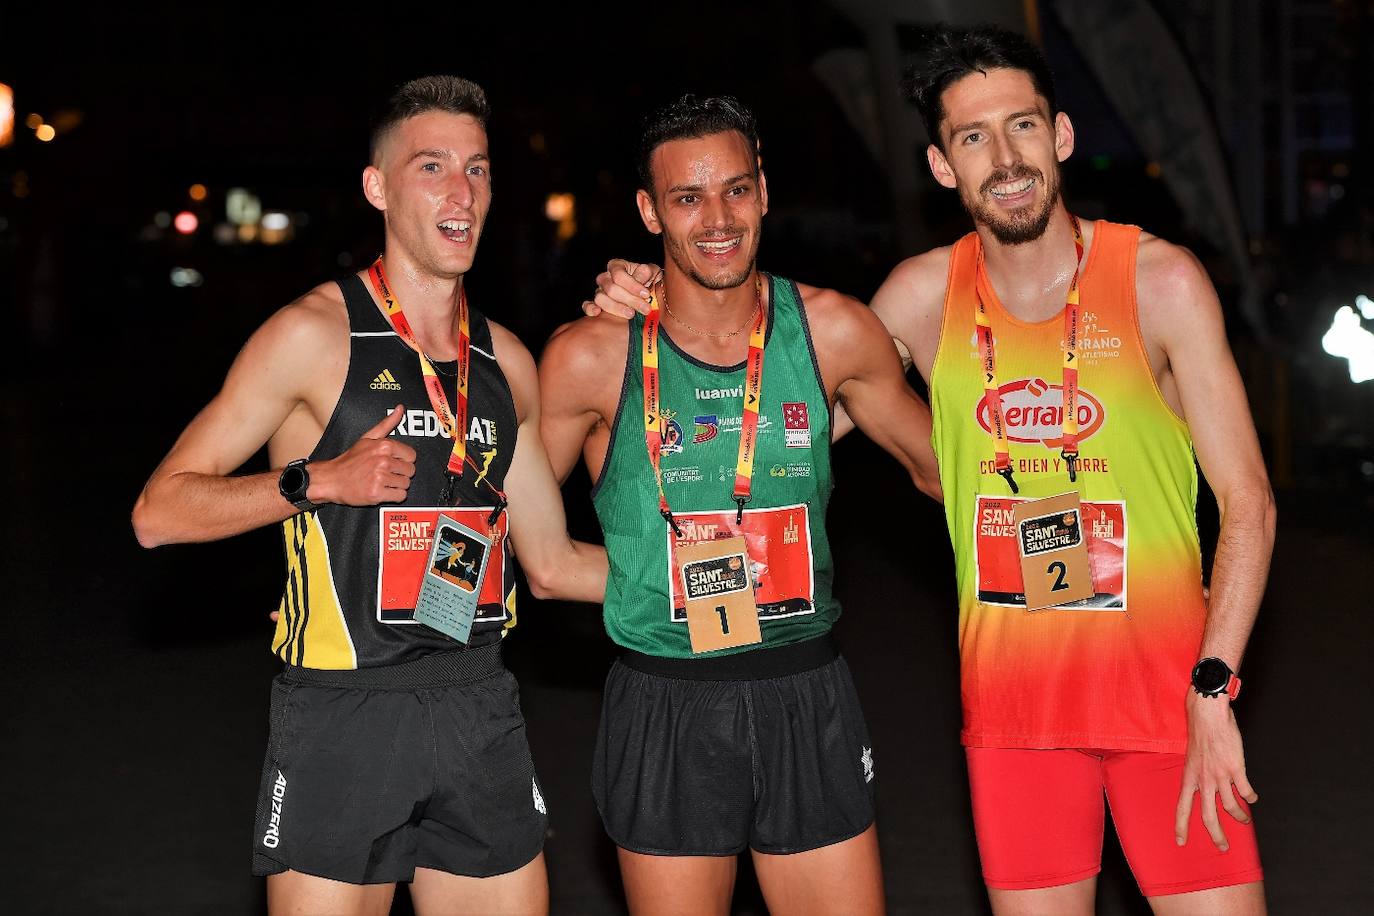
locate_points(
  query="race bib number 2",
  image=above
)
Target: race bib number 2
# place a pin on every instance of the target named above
(999, 540)
(1054, 551)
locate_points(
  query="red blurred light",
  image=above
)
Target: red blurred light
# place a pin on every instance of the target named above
(186, 222)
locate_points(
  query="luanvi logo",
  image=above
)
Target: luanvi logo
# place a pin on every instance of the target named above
(385, 381)
(272, 838)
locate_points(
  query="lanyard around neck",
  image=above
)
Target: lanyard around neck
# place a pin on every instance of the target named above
(654, 419)
(1069, 367)
(454, 423)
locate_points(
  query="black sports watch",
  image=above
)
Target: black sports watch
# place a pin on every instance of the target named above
(293, 483)
(1213, 677)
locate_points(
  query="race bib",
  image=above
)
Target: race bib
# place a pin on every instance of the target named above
(997, 554)
(404, 543)
(1054, 551)
(719, 592)
(457, 564)
(778, 544)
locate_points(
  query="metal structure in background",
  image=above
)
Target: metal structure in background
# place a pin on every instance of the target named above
(1140, 67)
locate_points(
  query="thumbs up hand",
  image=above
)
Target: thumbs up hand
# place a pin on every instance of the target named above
(375, 469)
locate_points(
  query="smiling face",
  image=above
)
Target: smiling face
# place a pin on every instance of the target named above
(1002, 151)
(709, 200)
(433, 182)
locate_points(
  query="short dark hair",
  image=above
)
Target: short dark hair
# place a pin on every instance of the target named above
(688, 118)
(945, 55)
(452, 94)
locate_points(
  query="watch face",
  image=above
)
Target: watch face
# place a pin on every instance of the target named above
(1211, 675)
(292, 482)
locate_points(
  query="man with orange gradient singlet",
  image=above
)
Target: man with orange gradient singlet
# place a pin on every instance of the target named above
(729, 721)
(397, 751)
(1033, 319)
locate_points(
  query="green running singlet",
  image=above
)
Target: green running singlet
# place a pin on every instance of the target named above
(784, 523)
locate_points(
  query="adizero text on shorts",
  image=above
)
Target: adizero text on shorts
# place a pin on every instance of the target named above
(373, 772)
(766, 749)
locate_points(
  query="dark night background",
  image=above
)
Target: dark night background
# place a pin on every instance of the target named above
(136, 682)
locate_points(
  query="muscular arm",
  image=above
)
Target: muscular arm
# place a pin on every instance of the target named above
(910, 304)
(1179, 310)
(271, 393)
(555, 565)
(856, 353)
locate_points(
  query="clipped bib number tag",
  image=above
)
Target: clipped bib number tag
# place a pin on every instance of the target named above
(452, 581)
(1054, 551)
(719, 595)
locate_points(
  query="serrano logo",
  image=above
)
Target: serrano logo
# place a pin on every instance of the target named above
(1034, 412)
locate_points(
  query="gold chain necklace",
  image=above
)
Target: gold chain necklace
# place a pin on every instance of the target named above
(758, 304)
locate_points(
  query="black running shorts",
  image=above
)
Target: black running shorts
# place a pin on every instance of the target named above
(702, 757)
(374, 772)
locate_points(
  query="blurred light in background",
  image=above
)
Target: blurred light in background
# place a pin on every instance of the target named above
(45, 132)
(186, 222)
(242, 208)
(33, 121)
(6, 115)
(19, 183)
(1349, 340)
(562, 209)
(197, 192)
(276, 228)
(183, 277)
(162, 219)
(225, 233)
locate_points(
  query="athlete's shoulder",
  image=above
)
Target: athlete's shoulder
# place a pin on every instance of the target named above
(583, 366)
(1167, 273)
(919, 280)
(822, 302)
(838, 320)
(316, 322)
(587, 342)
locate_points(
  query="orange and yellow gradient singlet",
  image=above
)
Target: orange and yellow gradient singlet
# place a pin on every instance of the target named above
(1110, 671)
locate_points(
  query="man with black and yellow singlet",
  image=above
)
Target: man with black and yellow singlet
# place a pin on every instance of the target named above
(1080, 366)
(729, 720)
(404, 429)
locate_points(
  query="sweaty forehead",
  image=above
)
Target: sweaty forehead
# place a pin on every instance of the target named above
(980, 96)
(462, 135)
(702, 161)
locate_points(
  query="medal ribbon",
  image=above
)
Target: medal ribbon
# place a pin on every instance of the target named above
(753, 393)
(1069, 368)
(454, 424)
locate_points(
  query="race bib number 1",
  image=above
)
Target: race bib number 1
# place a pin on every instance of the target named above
(1054, 551)
(719, 593)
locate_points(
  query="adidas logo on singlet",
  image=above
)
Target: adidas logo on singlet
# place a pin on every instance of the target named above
(385, 381)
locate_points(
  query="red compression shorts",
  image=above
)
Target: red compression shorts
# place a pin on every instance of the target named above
(1038, 816)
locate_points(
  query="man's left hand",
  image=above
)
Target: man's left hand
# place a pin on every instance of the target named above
(1215, 767)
